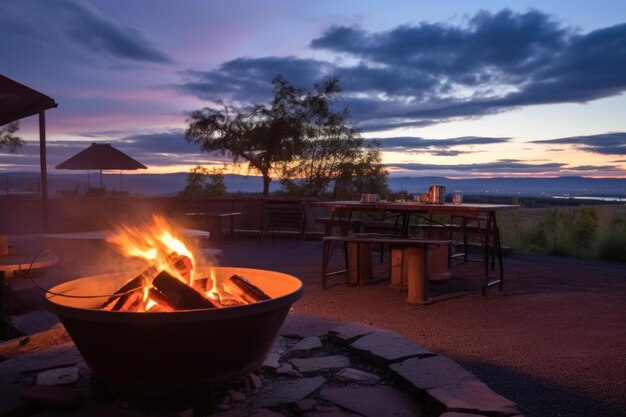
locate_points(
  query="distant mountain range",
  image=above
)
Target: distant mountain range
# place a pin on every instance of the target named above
(171, 184)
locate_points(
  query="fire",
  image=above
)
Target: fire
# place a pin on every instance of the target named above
(155, 243)
(169, 281)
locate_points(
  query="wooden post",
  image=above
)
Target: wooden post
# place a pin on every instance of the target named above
(396, 259)
(414, 268)
(44, 170)
(359, 263)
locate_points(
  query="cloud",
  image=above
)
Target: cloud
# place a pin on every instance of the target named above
(418, 144)
(418, 75)
(72, 30)
(606, 144)
(509, 167)
(153, 150)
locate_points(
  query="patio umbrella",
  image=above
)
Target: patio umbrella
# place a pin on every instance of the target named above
(101, 156)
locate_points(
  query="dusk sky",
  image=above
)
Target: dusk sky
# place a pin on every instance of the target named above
(450, 88)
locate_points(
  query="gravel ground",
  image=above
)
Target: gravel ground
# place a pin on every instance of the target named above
(554, 340)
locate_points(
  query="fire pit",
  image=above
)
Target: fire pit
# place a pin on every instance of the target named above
(157, 351)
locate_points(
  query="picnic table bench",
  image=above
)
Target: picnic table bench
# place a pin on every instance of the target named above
(408, 264)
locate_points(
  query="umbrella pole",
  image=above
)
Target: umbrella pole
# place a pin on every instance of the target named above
(100, 178)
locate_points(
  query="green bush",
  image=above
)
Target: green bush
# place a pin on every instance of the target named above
(585, 231)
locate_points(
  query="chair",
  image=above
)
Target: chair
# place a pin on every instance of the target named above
(283, 216)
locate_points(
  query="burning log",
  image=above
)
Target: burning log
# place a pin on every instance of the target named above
(179, 295)
(123, 293)
(245, 289)
(182, 264)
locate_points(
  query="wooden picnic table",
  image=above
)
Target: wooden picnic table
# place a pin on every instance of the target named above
(484, 215)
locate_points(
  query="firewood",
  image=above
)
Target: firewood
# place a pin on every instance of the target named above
(132, 285)
(181, 262)
(160, 298)
(180, 295)
(247, 290)
(133, 302)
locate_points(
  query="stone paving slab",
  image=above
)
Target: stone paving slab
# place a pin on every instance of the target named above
(316, 395)
(55, 357)
(431, 372)
(384, 347)
(471, 396)
(357, 376)
(380, 401)
(320, 363)
(350, 332)
(289, 392)
(305, 347)
(303, 325)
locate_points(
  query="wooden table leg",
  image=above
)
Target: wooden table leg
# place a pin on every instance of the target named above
(415, 268)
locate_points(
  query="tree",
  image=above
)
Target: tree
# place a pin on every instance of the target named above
(365, 174)
(334, 152)
(269, 136)
(203, 183)
(8, 137)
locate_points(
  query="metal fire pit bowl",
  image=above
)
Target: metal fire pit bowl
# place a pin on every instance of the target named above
(153, 352)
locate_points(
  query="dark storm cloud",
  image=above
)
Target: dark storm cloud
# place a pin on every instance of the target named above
(606, 144)
(416, 75)
(69, 27)
(249, 80)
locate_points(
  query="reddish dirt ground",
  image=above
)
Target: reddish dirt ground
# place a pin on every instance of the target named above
(554, 341)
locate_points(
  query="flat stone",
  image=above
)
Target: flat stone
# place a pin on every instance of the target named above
(305, 347)
(245, 412)
(236, 396)
(471, 396)
(53, 397)
(431, 372)
(303, 325)
(306, 405)
(35, 322)
(271, 362)
(385, 347)
(287, 369)
(320, 363)
(357, 376)
(289, 392)
(58, 356)
(255, 381)
(377, 401)
(58, 376)
(350, 332)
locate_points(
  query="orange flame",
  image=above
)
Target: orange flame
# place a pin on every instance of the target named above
(155, 243)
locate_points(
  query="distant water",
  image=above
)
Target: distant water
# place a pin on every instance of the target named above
(580, 197)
